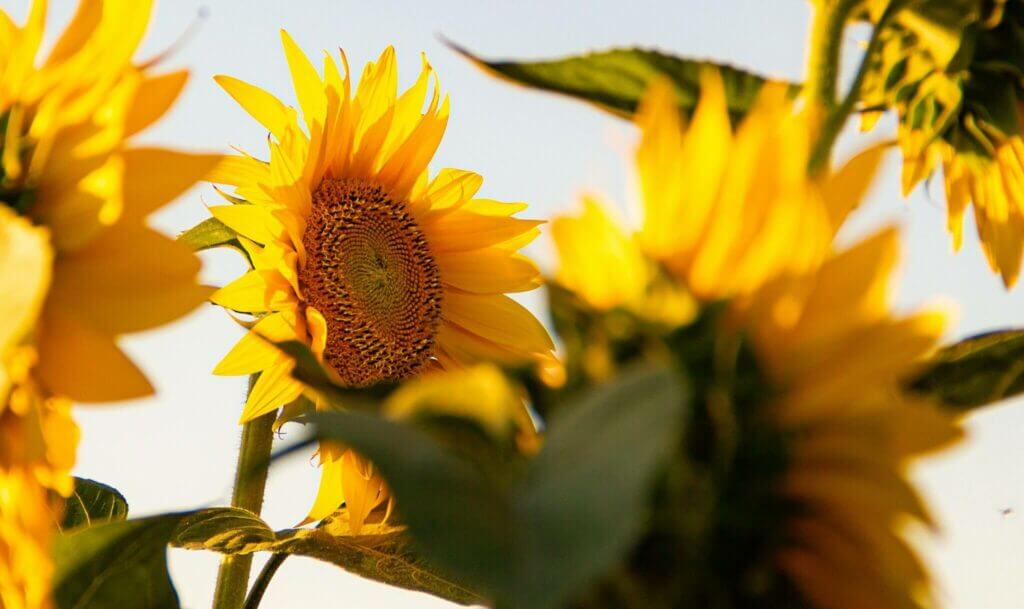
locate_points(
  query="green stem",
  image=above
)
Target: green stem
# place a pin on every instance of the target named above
(827, 26)
(259, 587)
(250, 482)
(836, 119)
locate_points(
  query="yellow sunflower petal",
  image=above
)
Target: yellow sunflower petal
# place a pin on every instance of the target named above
(153, 177)
(488, 271)
(25, 267)
(273, 389)
(253, 353)
(461, 231)
(85, 365)
(497, 318)
(330, 495)
(253, 221)
(262, 106)
(154, 98)
(308, 86)
(256, 292)
(131, 278)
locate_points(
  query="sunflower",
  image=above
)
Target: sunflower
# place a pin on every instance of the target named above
(383, 271)
(723, 210)
(803, 451)
(963, 115)
(68, 166)
(836, 360)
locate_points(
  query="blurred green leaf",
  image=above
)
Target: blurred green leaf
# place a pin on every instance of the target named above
(93, 503)
(208, 234)
(616, 79)
(976, 371)
(577, 509)
(118, 565)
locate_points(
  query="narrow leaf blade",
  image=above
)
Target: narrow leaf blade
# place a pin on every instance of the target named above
(976, 371)
(615, 80)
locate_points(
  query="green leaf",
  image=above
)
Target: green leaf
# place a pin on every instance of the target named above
(575, 512)
(616, 79)
(586, 493)
(208, 234)
(458, 516)
(93, 503)
(118, 565)
(226, 530)
(976, 371)
(385, 555)
(382, 553)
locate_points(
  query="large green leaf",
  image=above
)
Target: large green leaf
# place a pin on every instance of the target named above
(93, 503)
(976, 371)
(576, 510)
(118, 565)
(616, 79)
(381, 552)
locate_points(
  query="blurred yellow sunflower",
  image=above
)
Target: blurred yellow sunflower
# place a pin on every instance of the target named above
(355, 251)
(78, 263)
(724, 209)
(37, 436)
(837, 359)
(68, 166)
(733, 215)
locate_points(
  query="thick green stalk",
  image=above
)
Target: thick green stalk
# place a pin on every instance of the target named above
(837, 117)
(827, 25)
(250, 482)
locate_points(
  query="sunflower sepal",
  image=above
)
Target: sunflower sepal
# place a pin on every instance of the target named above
(211, 233)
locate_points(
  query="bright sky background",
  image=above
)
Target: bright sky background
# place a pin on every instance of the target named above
(177, 451)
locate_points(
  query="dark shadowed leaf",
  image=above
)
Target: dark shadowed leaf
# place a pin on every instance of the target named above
(976, 371)
(576, 511)
(93, 503)
(616, 79)
(463, 523)
(118, 565)
(585, 495)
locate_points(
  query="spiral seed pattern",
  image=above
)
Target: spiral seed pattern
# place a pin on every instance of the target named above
(370, 272)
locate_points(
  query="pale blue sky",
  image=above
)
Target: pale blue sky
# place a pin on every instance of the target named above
(177, 450)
